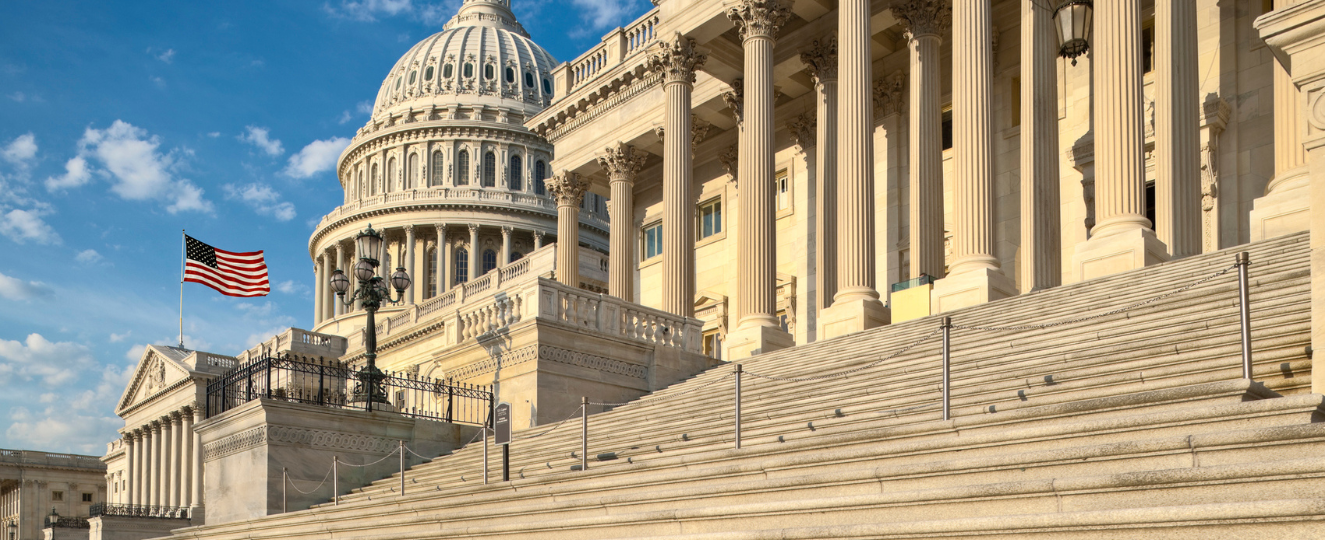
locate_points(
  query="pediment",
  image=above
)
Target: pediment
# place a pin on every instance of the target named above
(158, 369)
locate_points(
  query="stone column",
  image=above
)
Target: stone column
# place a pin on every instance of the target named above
(153, 466)
(1177, 129)
(186, 457)
(473, 253)
(757, 329)
(166, 480)
(538, 238)
(130, 453)
(505, 246)
(1284, 209)
(319, 278)
(443, 283)
(925, 21)
(195, 462)
(140, 478)
(409, 263)
(568, 190)
(678, 60)
(176, 458)
(1041, 230)
(1121, 239)
(822, 60)
(975, 276)
(622, 163)
(340, 265)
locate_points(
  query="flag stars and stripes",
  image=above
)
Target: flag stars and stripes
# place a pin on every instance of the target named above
(229, 273)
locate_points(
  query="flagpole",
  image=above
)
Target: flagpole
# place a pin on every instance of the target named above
(182, 256)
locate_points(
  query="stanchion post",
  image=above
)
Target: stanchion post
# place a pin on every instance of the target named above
(738, 406)
(485, 454)
(584, 433)
(1244, 308)
(285, 490)
(335, 479)
(947, 368)
(402, 467)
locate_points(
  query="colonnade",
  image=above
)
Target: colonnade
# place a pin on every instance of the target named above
(164, 461)
(407, 247)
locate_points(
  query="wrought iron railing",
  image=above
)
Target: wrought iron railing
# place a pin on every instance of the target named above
(66, 522)
(138, 511)
(334, 385)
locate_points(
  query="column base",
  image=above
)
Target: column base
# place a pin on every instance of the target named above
(849, 317)
(1285, 210)
(1119, 252)
(755, 340)
(198, 515)
(970, 288)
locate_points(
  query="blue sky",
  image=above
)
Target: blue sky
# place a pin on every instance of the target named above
(123, 122)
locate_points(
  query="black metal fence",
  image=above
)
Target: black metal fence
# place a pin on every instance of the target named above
(332, 384)
(137, 511)
(66, 522)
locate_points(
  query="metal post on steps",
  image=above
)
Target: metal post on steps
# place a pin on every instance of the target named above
(335, 479)
(402, 467)
(738, 406)
(584, 433)
(485, 454)
(947, 368)
(1243, 261)
(285, 490)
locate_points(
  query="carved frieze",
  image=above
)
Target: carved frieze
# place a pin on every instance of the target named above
(889, 97)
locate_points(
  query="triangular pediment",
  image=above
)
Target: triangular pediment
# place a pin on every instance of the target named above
(159, 368)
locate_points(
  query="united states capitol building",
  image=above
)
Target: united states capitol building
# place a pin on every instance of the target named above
(790, 269)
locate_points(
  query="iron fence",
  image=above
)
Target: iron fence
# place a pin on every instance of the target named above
(335, 385)
(66, 522)
(138, 511)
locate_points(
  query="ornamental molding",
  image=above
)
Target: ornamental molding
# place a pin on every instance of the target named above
(677, 59)
(735, 100)
(802, 129)
(567, 188)
(821, 59)
(639, 86)
(622, 162)
(890, 94)
(759, 18)
(444, 134)
(266, 435)
(731, 160)
(923, 17)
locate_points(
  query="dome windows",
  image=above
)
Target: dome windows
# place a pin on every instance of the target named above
(488, 72)
(427, 74)
(469, 70)
(510, 75)
(412, 75)
(489, 169)
(516, 181)
(448, 71)
(547, 86)
(529, 79)
(462, 168)
(398, 79)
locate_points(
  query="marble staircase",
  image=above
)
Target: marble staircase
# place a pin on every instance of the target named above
(1129, 423)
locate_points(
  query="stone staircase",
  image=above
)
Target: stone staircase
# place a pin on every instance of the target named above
(1130, 424)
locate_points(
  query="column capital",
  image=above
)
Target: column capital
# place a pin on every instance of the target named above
(175, 417)
(441, 229)
(890, 94)
(538, 235)
(759, 18)
(731, 160)
(802, 129)
(923, 17)
(567, 188)
(473, 228)
(506, 230)
(155, 426)
(409, 228)
(821, 59)
(735, 99)
(677, 59)
(622, 162)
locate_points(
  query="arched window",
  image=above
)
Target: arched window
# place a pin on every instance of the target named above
(436, 168)
(427, 74)
(516, 181)
(373, 188)
(516, 255)
(510, 74)
(489, 260)
(412, 74)
(412, 177)
(461, 266)
(489, 169)
(447, 71)
(362, 187)
(469, 70)
(489, 72)
(547, 86)
(462, 168)
(540, 172)
(390, 175)
(529, 79)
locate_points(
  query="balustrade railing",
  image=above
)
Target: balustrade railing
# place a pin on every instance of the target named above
(614, 316)
(461, 195)
(618, 46)
(138, 511)
(499, 314)
(63, 522)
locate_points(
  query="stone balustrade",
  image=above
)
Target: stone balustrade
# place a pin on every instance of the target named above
(616, 317)
(511, 200)
(49, 459)
(297, 341)
(618, 46)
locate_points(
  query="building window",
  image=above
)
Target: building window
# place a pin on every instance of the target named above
(412, 178)
(652, 241)
(461, 266)
(947, 129)
(782, 321)
(87, 497)
(390, 173)
(1148, 49)
(373, 187)
(489, 169)
(529, 79)
(488, 72)
(1150, 203)
(462, 168)
(782, 187)
(547, 86)
(412, 74)
(448, 71)
(489, 260)
(516, 255)
(57, 496)
(713, 344)
(516, 181)
(437, 168)
(510, 74)
(540, 173)
(710, 219)
(469, 70)
(427, 74)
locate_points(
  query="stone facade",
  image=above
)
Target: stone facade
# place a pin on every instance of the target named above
(35, 484)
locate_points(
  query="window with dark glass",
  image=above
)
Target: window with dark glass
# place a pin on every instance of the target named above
(412, 74)
(547, 86)
(469, 70)
(529, 79)
(710, 219)
(540, 173)
(488, 72)
(436, 168)
(398, 79)
(461, 266)
(510, 75)
(489, 169)
(427, 74)
(489, 260)
(412, 174)
(947, 129)
(462, 168)
(516, 180)
(652, 241)
(447, 71)
(1150, 203)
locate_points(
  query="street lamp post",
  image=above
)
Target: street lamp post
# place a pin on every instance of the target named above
(13, 530)
(1073, 20)
(371, 293)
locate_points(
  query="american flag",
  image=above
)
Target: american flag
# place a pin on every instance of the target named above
(231, 274)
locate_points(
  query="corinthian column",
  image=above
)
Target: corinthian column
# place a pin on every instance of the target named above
(975, 276)
(1177, 129)
(622, 163)
(176, 458)
(186, 458)
(1284, 209)
(1122, 239)
(130, 467)
(821, 58)
(506, 245)
(1041, 236)
(165, 480)
(195, 461)
(677, 60)
(440, 272)
(473, 253)
(339, 308)
(141, 476)
(319, 277)
(568, 190)
(409, 263)
(924, 21)
(153, 466)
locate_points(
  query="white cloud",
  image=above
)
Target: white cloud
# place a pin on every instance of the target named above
(159, 82)
(604, 13)
(88, 256)
(138, 169)
(17, 96)
(263, 199)
(12, 288)
(21, 150)
(318, 156)
(53, 363)
(261, 138)
(61, 428)
(76, 173)
(135, 353)
(292, 287)
(24, 225)
(345, 117)
(214, 134)
(364, 107)
(116, 338)
(167, 57)
(369, 10)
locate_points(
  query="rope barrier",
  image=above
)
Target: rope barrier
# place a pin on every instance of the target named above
(576, 414)
(393, 452)
(666, 397)
(850, 371)
(410, 450)
(311, 491)
(1097, 316)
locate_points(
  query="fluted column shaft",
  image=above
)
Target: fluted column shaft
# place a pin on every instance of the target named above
(622, 163)
(538, 239)
(441, 272)
(825, 174)
(972, 127)
(1289, 155)
(339, 307)
(130, 467)
(176, 458)
(1120, 186)
(195, 461)
(473, 251)
(1177, 129)
(186, 459)
(140, 478)
(505, 246)
(319, 277)
(154, 468)
(167, 452)
(676, 59)
(854, 197)
(1041, 236)
(409, 263)
(568, 190)
(926, 157)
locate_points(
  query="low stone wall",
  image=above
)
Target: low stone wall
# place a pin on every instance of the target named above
(122, 528)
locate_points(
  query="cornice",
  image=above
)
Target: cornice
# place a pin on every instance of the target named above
(635, 88)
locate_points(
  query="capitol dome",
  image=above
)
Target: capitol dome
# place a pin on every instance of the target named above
(482, 56)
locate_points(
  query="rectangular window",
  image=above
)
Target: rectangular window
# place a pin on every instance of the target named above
(87, 497)
(1015, 90)
(782, 186)
(783, 323)
(947, 128)
(710, 219)
(1148, 49)
(713, 344)
(652, 241)
(57, 496)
